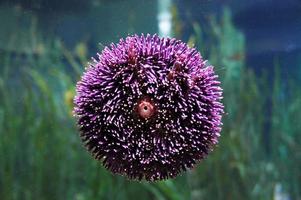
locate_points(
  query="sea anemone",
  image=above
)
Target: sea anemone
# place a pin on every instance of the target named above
(149, 107)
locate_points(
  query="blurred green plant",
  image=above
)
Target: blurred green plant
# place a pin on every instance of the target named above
(41, 156)
(257, 153)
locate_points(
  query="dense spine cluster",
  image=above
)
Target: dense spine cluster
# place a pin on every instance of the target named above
(149, 107)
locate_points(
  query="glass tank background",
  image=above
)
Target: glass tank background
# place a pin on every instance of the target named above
(255, 47)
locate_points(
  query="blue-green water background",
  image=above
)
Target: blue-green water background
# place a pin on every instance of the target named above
(255, 47)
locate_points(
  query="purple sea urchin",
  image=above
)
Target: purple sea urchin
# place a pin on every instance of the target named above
(149, 107)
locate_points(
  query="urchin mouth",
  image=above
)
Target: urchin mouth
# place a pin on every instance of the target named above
(146, 108)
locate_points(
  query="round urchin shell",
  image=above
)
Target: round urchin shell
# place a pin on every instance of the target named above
(149, 107)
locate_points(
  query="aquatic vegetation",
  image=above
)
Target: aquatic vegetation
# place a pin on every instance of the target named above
(149, 107)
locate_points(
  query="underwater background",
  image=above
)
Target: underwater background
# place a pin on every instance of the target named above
(255, 47)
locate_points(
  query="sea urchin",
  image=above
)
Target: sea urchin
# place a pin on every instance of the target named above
(149, 107)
